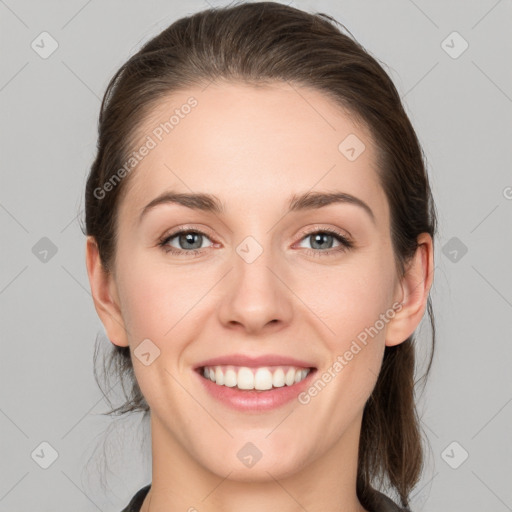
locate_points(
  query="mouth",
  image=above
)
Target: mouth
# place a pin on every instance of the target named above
(256, 379)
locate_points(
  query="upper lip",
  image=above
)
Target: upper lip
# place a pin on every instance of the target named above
(255, 361)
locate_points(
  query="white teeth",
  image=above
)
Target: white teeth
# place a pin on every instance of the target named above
(245, 379)
(278, 378)
(255, 378)
(230, 378)
(219, 376)
(290, 377)
(263, 379)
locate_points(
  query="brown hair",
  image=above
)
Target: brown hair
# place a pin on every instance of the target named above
(264, 42)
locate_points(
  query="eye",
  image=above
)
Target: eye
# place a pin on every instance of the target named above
(189, 240)
(322, 238)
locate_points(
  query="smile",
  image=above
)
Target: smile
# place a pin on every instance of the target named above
(260, 378)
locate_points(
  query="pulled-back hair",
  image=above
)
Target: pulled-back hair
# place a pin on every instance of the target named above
(258, 43)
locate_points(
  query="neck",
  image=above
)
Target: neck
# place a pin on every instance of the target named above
(327, 483)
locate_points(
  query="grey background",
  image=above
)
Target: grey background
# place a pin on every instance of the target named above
(461, 108)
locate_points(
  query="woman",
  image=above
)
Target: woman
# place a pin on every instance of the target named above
(260, 252)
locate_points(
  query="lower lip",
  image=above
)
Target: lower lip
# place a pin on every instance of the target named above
(252, 400)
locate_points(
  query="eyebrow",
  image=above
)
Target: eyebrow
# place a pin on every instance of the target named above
(296, 203)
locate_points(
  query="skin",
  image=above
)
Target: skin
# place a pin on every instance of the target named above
(253, 147)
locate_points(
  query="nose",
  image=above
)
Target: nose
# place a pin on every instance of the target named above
(255, 297)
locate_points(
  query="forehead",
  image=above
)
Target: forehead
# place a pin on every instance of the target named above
(253, 146)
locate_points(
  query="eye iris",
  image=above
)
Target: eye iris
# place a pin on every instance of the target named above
(188, 238)
(319, 237)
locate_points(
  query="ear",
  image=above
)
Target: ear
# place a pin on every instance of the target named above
(415, 285)
(104, 294)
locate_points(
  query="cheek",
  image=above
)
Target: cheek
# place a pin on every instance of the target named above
(352, 297)
(161, 299)
(157, 298)
(159, 303)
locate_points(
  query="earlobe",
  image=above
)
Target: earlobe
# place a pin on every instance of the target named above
(416, 284)
(104, 295)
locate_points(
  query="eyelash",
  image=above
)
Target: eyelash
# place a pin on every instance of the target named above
(346, 244)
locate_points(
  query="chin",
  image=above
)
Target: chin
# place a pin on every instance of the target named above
(263, 467)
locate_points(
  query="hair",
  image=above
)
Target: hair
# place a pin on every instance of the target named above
(265, 42)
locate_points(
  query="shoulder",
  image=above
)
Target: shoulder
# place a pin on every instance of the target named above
(137, 500)
(381, 502)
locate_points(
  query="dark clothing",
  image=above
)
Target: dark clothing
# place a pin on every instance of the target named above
(383, 503)
(137, 500)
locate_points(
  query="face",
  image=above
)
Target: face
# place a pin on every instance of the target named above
(254, 277)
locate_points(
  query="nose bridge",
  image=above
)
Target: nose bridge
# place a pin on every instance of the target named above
(255, 251)
(253, 260)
